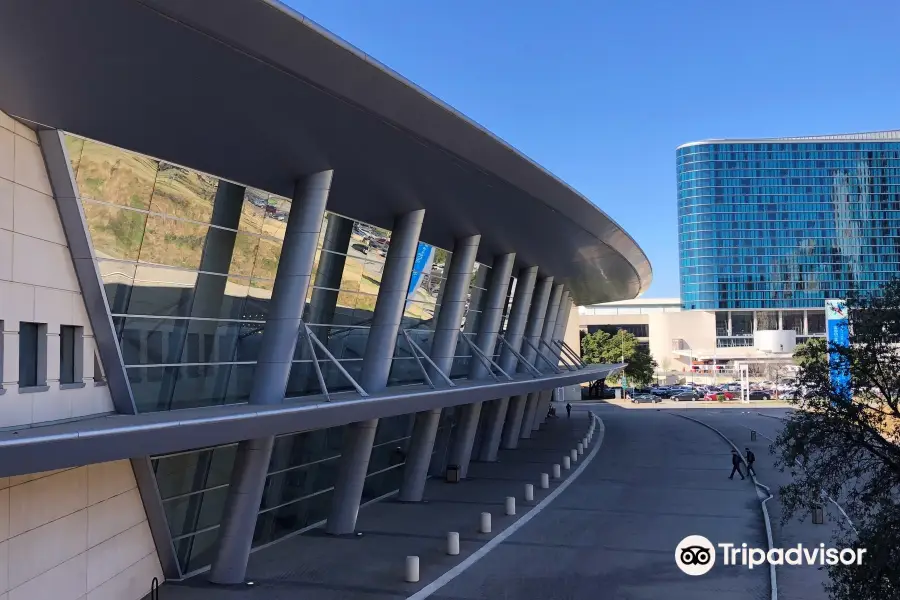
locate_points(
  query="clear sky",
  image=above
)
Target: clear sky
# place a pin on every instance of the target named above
(601, 92)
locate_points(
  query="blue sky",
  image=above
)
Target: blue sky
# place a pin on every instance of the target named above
(601, 92)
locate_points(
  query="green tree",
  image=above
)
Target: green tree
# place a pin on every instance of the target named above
(811, 351)
(602, 348)
(848, 450)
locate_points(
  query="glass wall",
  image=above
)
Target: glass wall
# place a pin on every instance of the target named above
(776, 224)
(189, 261)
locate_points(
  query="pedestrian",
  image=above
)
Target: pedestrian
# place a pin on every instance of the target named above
(751, 458)
(568, 410)
(735, 464)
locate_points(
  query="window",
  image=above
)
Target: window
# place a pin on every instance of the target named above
(71, 344)
(32, 355)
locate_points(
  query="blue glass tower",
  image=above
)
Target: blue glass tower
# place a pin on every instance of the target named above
(780, 225)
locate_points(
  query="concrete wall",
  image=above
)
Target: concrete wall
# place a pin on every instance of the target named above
(75, 534)
(696, 328)
(37, 284)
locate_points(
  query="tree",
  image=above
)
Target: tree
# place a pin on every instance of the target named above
(848, 450)
(602, 348)
(812, 350)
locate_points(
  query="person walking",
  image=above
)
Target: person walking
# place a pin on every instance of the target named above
(751, 458)
(568, 410)
(735, 464)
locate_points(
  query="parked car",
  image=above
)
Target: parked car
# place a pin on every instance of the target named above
(682, 396)
(714, 396)
(760, 395)
(661, 392)
(638, 398)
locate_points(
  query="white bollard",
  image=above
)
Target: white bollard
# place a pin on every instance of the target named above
(556, 473)
(452, 543)
(510, 506)
(485, 523)
(412, 569)
(545, 481)
(580, 448)
(574, 455)
(567, 463)
(529, 492)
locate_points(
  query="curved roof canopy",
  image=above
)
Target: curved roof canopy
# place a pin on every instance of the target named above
(252, 92)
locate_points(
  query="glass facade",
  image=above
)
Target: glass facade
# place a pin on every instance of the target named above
(188, 263)
(785, 225)
(188, 270)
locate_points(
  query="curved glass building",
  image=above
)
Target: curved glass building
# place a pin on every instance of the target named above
(770, 228)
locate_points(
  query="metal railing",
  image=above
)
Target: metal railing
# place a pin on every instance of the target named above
(540, 354)
(313, 342)
(416, 352)
(485, 359)
(519, 358)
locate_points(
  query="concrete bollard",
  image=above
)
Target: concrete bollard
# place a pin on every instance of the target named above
(567, 463)
(545, 481)
(556, 473)
(485, 523)
(580, 448)
(529, 492)
(574, 455)
(452, 543)
(510, 506)
(412, 569)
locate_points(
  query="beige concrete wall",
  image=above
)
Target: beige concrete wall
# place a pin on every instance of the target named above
(37, 284)
(75, 534)
(614, 319)
(697, 328)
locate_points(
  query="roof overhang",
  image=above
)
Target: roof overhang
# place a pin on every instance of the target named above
(252, 92)
(115, 437)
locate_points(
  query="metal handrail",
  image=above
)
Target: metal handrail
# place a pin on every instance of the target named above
(541, 355)
(484, 357)
(315, 361)
(418, 360)
(519, 358)
(565, 359)
(416, 351)
(311, 336)
(572, 353)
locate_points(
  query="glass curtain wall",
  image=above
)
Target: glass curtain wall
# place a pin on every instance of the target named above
(784, 225)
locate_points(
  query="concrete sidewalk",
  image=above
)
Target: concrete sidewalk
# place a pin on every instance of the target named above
(371, 566)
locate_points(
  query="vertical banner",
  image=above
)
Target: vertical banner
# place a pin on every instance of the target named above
(421, 265)
(837, 329)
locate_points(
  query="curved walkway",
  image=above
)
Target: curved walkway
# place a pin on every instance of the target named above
(613, 532)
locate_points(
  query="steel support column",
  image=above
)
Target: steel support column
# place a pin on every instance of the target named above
(543, 397)
(377, 359)
(533, 331)
(506, 420)
(279, 338)
(486, 340)
(443, 348)
(553, 355)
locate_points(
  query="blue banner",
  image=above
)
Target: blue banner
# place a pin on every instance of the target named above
(421, 265)
(837, 329)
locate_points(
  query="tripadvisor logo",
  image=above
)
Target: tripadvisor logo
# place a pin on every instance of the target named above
(696, 555)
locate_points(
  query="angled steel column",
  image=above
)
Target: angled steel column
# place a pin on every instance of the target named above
(533, 331)
(506, 413)
(358, 437)
(486, 339)
(546, 335)
(443, 348)
(279, 339)
(559, 325)
(71, 217)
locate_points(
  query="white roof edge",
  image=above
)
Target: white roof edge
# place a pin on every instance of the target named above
(642, 302)
(870, 136)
